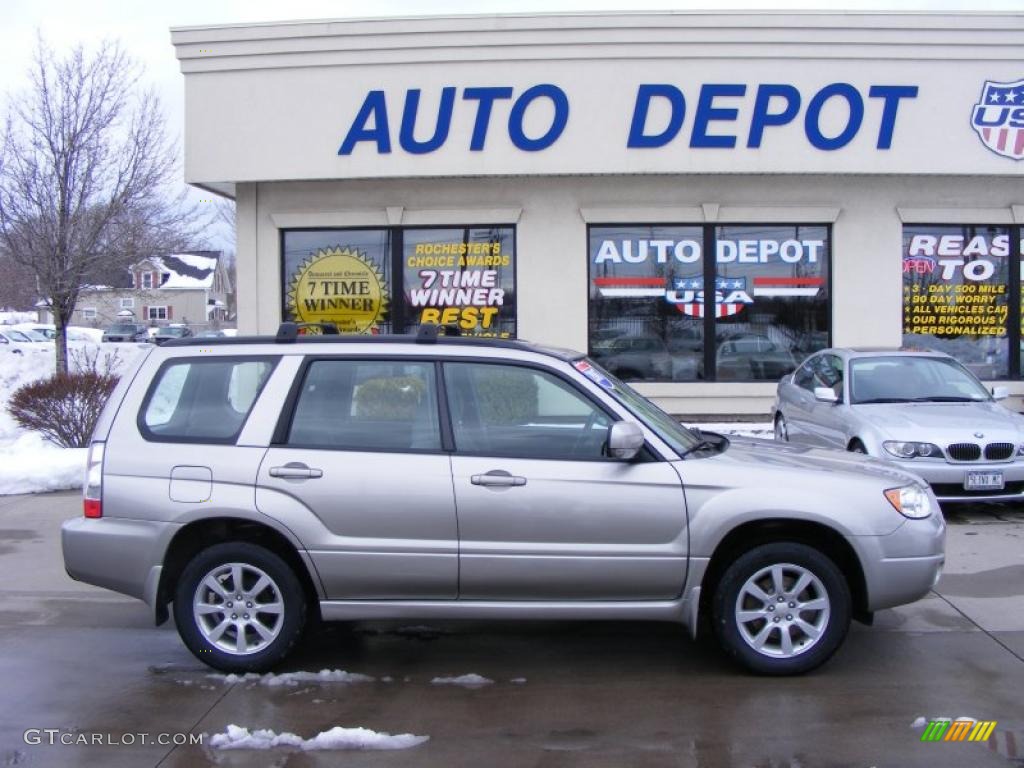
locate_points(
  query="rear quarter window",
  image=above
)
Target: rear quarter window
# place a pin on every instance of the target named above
(201, 400)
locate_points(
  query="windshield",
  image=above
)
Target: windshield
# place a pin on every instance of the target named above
(122, 329)
(668, 429)
(910, 379)
(33, 335)
(18, 336)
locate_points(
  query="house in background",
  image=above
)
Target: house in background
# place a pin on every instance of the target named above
(188, 288)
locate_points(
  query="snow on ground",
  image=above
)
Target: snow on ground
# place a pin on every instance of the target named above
(471, 680)
(740, 429)
(28, 462)
(294, 678)
(237, 737)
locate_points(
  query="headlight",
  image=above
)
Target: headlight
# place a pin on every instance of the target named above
(910, 501)
(904, 450)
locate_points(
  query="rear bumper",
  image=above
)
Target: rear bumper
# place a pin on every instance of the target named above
(117, 554)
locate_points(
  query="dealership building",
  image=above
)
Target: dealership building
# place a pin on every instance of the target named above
(699, 200)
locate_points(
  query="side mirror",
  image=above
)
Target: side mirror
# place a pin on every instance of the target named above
(826, 395)
(625, 439)
(1000, 393)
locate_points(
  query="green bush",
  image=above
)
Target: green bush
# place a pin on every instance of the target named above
(389, 399)
(64, 407)
(506, 396)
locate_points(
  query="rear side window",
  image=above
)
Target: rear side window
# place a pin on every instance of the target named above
(203, 401)
(367, 405)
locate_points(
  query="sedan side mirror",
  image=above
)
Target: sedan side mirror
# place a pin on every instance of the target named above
(625, 439)
(1000, 393)
(826, 395)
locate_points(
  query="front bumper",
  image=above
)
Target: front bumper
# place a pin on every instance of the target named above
(947, 480)
(903, 566)
(115, 553)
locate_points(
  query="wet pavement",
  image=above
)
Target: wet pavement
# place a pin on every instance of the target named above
(87, 662)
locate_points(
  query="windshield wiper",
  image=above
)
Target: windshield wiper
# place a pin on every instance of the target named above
(884, 400)
(947, 399)
(702, 445)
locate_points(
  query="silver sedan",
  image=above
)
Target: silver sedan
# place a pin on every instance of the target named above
(921, 410)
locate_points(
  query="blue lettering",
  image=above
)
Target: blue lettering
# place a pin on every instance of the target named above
(812, 126)
(444, 122)
(644, 94)
(762, 118)
(892, 95)
(558, 121)
(374, 106)
(982, 113)
(707, 112)
(485, 98)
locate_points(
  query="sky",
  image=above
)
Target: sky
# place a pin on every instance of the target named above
(143, 27)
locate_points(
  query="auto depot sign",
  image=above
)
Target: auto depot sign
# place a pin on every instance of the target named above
(661, 116)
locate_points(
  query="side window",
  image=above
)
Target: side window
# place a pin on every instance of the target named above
(804, 376)
(360, 405)
(505, 410)
(203, 401)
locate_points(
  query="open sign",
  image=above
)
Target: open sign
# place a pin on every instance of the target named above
(920, 265)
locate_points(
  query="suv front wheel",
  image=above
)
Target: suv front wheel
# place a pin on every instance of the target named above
(782, 608)
(239, 607)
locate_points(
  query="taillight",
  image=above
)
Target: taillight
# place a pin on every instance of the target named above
(92, 489)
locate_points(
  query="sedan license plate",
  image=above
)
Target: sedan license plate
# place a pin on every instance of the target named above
(983, 481)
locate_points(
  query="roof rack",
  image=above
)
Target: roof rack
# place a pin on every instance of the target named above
(289, 332)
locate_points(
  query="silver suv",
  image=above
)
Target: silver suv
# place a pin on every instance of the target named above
(256, 483)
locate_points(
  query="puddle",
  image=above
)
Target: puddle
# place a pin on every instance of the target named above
(1007, 581)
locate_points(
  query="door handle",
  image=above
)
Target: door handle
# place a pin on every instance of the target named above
(499, 478)
(296, 471)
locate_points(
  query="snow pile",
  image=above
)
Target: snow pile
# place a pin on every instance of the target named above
(920, 722)
(468, 681)
(237, 737)
(31, 464)
(28, 462)
(294, 678)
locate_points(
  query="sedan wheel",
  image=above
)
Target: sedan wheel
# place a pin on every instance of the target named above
(781, 432)
(782, 608)
(239, 607)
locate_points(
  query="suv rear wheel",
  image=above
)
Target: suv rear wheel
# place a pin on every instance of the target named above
(239, 607)
(782, 608)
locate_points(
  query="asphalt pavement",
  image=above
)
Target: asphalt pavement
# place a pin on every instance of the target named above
(82, 665)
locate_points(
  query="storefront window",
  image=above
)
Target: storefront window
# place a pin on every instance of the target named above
(645, 322)
(772, 304)
(463, 277)
(647, 300)
(956, 294)
(369, 281)
(340, 276)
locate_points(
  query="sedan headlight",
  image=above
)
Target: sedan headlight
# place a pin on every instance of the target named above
(908, 450)
(910, 501)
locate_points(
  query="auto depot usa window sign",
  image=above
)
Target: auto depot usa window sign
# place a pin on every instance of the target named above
(710, 116)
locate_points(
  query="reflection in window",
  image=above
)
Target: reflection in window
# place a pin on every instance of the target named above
(771, 300)
(646, 323)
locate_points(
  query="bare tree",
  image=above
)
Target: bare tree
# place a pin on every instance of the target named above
(86, 170)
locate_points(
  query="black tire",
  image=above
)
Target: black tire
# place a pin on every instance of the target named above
(288, 625)
(834, 624)
(856, 446)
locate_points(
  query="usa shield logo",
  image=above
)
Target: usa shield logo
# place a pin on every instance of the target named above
(998, 118)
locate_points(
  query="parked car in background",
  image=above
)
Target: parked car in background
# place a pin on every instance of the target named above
(24, 341)
(924, 411)
(210, 333)
(635, 358)
(251, 484)
(168, 332)
(126, 332)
